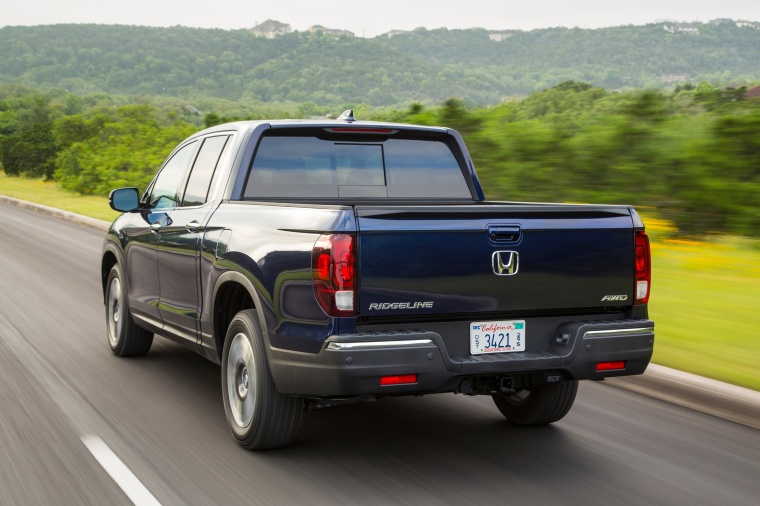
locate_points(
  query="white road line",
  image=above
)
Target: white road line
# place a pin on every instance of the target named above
(120, 473)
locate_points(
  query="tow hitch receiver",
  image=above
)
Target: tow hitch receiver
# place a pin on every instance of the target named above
(506, 385)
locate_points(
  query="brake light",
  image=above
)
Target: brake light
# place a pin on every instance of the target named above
(643, 268)
(334, 273)
(362, 130)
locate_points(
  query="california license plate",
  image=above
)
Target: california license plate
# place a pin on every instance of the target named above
(497, 337)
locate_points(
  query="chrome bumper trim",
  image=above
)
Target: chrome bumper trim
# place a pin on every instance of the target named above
(618, 332)
(366, 345)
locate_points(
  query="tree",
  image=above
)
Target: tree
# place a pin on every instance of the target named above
(31, 149)
(126, 149)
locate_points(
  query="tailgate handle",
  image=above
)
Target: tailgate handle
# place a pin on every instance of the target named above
(504, 233)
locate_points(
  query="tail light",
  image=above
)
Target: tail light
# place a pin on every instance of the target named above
(643, 268)
(333, 267)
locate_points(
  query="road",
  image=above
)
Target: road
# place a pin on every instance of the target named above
(162, 417)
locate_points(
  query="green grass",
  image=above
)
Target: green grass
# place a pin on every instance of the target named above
(705, 297)
(50, 194)
(705, 302)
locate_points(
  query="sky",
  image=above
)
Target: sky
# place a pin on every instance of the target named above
(369, 18)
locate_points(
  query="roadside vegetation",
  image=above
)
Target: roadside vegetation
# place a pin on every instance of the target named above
(51, 194)
(689, 159)
(693, 153)
(704, 303)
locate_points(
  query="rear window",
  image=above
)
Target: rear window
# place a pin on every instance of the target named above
(310, 167)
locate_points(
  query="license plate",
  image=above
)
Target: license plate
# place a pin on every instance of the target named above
(497, 337)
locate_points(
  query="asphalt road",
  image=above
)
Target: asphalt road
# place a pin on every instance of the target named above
(162, 417)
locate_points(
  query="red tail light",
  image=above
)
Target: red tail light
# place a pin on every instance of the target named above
(643, 268)
(333, 264)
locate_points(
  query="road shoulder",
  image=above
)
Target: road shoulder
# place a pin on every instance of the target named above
(730, 402)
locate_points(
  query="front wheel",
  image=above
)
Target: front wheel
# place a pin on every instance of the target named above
(258, 416)
(538, 405)
(125, 338)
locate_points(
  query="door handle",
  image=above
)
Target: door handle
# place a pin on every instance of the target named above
(193, 226)
(155, 227)
(504, 233)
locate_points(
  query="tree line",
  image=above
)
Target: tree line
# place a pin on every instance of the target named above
(691, 155)
(425, 66)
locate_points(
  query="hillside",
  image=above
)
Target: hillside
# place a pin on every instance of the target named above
(424, 66)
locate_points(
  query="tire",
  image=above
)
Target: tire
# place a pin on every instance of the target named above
(259, 417)
(540, 405)
(125, 338)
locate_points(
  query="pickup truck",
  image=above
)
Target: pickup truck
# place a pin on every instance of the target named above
(329, 262)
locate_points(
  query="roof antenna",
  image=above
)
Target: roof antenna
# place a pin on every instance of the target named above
(348, 115)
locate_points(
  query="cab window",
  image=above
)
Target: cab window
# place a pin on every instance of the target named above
(197, 189)
(165, 191)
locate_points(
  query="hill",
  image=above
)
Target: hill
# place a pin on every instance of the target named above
(425, 66)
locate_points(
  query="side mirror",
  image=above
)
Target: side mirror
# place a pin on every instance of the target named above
(124, 199)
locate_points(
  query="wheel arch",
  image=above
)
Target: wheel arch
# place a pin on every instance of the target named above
(233, 292)
(111, 257)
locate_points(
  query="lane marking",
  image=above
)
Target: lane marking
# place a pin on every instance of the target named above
(120, 473)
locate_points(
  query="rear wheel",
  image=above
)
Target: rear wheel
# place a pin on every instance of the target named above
(539, 405)
(125, 338)
(259, 416)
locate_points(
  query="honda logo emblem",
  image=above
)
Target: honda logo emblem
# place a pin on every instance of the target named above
(505, 263)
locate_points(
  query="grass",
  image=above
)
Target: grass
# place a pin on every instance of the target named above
(51, 194)
(705, 302)
(705, 296)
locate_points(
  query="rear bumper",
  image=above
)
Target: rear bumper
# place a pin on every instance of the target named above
(352, 364)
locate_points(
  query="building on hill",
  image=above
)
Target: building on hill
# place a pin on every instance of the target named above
(674, 78)
(686, 28)
(499, 35)
(741, 23)
(270, 29)
(722, 21)
(748, 24)
(330, 31)
(393, 33)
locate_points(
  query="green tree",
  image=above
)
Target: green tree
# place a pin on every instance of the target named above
(126, 149)
(30, 150)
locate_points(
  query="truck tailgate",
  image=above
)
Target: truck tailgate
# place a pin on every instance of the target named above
(493, 258)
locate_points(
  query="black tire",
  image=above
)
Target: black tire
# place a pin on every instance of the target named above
(125, 338)
(259, 417)
(538, 406)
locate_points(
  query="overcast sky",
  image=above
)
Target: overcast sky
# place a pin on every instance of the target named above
(372, 17)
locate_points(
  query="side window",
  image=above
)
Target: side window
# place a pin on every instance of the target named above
(164, 193)
(203, 169)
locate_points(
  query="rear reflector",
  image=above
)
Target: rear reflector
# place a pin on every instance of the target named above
(404, 379)
(610, 366)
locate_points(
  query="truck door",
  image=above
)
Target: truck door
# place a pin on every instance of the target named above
(143, 230)
(179, 244)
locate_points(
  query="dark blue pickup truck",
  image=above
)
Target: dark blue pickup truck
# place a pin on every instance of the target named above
(337, 261)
